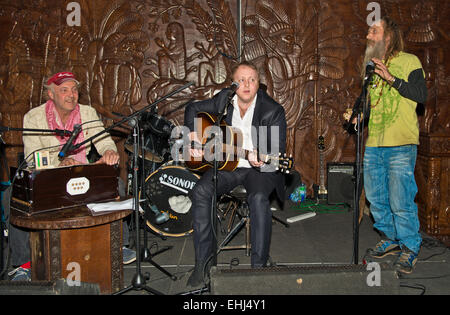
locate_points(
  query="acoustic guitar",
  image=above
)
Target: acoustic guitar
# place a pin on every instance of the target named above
(230, 152)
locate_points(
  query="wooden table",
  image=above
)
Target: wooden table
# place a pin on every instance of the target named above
(74, 244)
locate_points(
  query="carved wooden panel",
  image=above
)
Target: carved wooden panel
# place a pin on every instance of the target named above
(130, 53)
(432, 176)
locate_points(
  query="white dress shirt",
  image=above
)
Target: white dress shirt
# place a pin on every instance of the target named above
(244, 124)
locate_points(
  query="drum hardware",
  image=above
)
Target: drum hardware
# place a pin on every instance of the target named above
(156, 145)
(148, 155)
(161, 217)
(139, 281)
(176, 144)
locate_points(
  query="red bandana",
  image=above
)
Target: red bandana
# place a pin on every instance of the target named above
(74, 118)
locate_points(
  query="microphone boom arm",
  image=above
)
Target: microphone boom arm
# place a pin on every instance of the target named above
(127, 118)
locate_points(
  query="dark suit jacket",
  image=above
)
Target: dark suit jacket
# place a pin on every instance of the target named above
(267, 113)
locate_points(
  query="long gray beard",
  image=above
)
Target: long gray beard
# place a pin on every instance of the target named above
(375, 51)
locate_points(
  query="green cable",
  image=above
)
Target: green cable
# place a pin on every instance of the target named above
(311, 206)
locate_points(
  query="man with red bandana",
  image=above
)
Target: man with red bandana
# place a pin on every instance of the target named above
(63, 112)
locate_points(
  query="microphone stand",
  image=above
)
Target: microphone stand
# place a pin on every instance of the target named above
(139, 281)
(146, 255)
(3, 226)
(360, 108)
(220, 116)
(60, 132)
(127, 118)
(213, 137)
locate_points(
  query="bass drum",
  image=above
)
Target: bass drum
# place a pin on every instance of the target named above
(168, 205)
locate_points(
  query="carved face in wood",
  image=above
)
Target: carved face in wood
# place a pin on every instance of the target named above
(282, 36)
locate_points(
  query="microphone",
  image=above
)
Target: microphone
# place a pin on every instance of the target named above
(162, 217)
(68, 145)
(370, 68)
(233, 87)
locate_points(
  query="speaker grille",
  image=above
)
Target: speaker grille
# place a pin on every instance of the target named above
(313, 279)
(340, 183)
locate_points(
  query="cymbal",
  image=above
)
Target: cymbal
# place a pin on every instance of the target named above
(149, 156)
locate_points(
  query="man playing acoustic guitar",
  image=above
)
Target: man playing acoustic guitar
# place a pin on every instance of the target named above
(262, 123)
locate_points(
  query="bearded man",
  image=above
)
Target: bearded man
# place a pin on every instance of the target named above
(398, 84)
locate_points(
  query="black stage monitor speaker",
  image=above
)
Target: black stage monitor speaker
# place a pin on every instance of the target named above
(341, 183)
(306, 280)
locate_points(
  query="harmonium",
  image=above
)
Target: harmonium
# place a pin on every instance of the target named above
(37, 191)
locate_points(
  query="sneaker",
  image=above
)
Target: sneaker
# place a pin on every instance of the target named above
(21, 274)
(383, 248)
(128, 255)
(406, 261)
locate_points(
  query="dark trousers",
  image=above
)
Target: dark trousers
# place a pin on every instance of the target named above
(259, 186)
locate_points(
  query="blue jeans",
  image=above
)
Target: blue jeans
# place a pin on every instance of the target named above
(390, 188)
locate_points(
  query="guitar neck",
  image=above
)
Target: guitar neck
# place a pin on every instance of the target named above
(322, 173)
(322, 188)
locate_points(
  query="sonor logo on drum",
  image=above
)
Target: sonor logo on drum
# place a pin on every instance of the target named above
(176, 182)
(167, 190)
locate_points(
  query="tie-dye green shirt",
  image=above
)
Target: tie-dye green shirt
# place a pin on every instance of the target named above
(393, 119)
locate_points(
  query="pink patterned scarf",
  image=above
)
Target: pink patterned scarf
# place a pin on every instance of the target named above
(74, 118)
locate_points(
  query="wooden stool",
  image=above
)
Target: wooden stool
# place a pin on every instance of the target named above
(59, 240)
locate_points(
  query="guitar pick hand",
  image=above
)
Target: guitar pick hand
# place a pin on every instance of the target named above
(253, 159)
(196, 148)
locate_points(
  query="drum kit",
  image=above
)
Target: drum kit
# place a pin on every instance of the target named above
(168, 183)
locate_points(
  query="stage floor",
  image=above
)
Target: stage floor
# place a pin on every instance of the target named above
(323, 240)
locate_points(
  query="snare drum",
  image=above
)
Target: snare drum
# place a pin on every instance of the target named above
(167, 190)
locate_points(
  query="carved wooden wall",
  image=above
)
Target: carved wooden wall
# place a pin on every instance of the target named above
(130, 53)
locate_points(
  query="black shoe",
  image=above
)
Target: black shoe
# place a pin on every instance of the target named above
(196, 278)
(199, 276)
